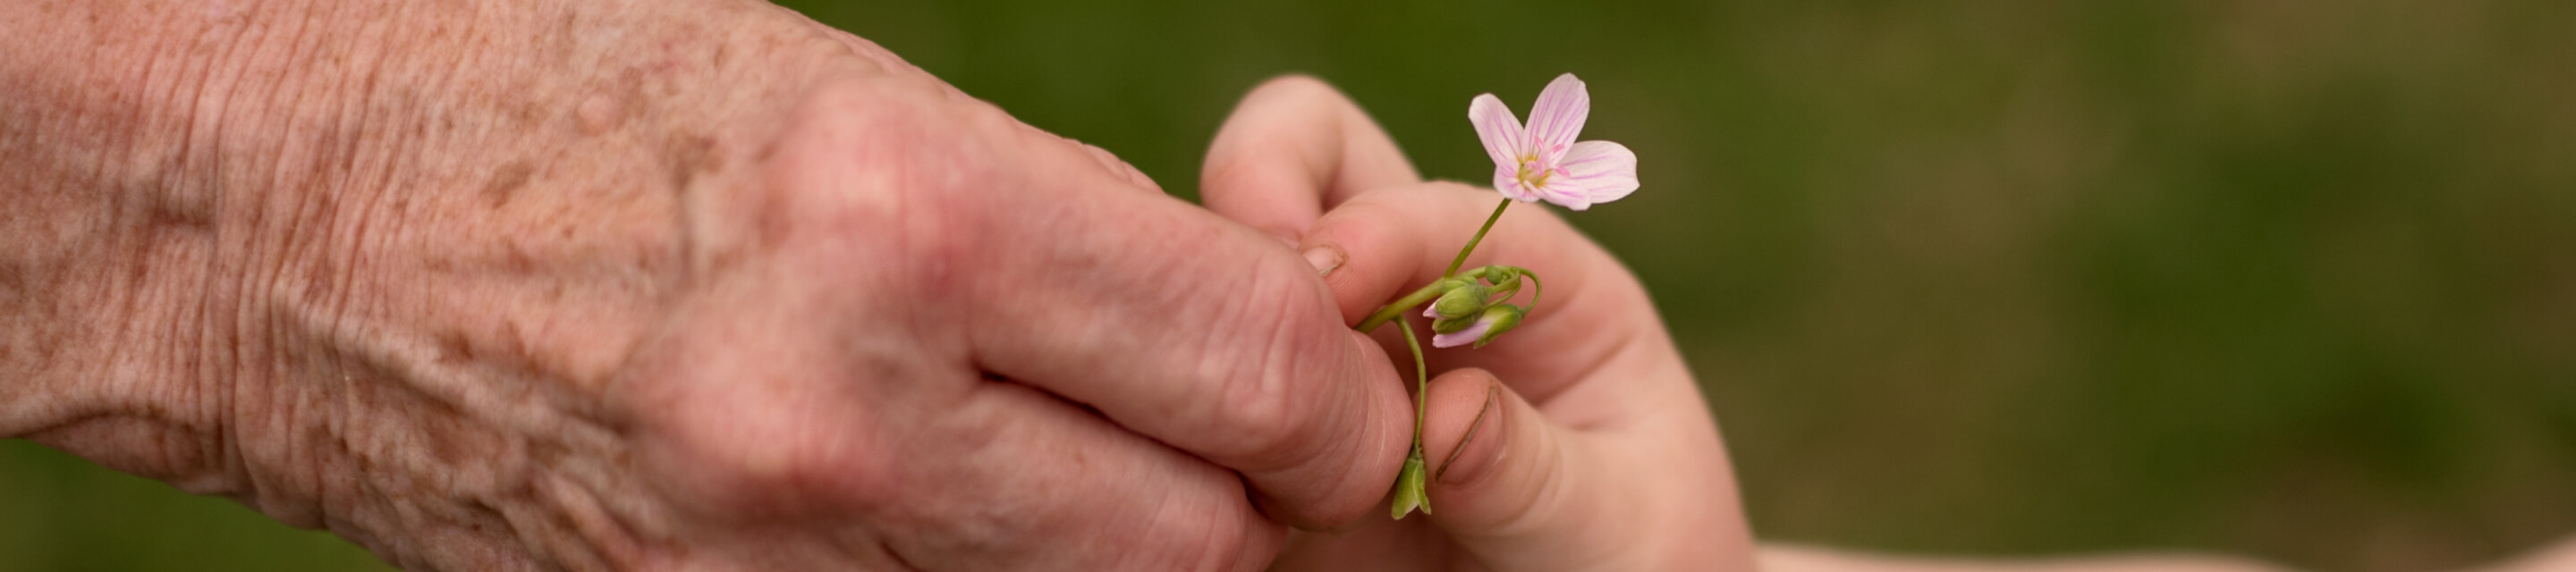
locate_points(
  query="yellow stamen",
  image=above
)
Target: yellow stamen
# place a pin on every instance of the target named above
(1526, 177)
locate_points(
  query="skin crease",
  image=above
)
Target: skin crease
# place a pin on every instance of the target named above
(1588, 395)
(696, 285)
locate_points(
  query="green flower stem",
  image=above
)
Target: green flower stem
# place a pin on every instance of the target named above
(1396, 308)
(1411, 488)
(1480, 237)
(1417, 298)
(1536, 288)
(1412, 484)
(1421, 385)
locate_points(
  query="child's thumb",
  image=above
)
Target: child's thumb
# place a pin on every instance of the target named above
(1512, 487)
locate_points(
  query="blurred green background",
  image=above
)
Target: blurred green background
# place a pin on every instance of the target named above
(2293, 279)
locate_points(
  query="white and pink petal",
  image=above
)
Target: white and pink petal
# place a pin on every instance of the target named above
(1507, 181)
(1604, 171)
(1558, 117)
(1501, 132)
(1565, 194)
(1462, 337)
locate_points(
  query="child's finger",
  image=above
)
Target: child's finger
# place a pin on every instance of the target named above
(1512, 488)
(1520, 490)
(1593, 319)
(1294, 148)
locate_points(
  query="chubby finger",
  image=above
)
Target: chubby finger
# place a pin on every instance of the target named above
(1293, 148)
(1518, 490)
(1509, 486)
(1055, 271)
(1593, 316)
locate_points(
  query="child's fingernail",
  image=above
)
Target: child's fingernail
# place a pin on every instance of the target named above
(1325, 258)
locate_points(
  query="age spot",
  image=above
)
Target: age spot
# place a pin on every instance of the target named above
(689, 156)
(506, 183)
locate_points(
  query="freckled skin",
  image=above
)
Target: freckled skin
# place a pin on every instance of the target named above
(692, 285)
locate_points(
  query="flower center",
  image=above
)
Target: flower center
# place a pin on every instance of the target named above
(1529, 176)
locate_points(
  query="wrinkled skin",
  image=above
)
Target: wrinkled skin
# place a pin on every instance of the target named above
(645, 285)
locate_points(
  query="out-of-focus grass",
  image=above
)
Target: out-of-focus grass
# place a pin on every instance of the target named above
(60, 514)
(2290, 278)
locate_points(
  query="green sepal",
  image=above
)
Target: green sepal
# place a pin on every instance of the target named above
(1504, 317)
(1451, 325)
(1462, 301)
(1411, 487)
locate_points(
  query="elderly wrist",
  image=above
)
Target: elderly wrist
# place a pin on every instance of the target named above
(189, 219)
(117, 250)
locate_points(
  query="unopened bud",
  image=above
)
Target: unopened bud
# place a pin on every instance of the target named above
(1462, 301)
(1451, 325)
(1412, 491)
(1500, 318)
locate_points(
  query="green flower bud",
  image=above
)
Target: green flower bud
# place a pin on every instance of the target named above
(1411, 487)
(1461, 301)
(1502, 318)
(1451, 325)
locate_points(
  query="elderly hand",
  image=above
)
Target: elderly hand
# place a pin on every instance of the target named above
(1578, 442)
(659, 285)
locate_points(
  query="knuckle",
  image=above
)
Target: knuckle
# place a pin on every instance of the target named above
(1195, 536)
(1218, 546)
(1266, 364)
(1261, 421)
(895, 172)
(777, 469)
(736, 433)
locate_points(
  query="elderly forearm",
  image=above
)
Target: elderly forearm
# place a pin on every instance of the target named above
(113, 260)
(366, 265)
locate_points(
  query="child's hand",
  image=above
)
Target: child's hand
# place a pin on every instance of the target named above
(1579, 442)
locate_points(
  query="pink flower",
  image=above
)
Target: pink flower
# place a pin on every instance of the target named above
(1542, 161)
(1493, 321)
(1463, 337)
